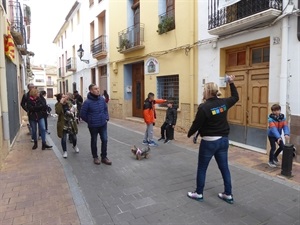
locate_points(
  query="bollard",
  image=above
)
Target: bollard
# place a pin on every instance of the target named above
(287, 160)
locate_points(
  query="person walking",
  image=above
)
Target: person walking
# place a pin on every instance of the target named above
(211, 121)
(23, 104)
(45, 112)
(66, 123)
(78, 101)
(149, 118)
(169, 124)
(105, 96)
(36, 108)
(95, 113)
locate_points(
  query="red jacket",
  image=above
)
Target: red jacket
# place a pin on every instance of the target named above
(149, 110)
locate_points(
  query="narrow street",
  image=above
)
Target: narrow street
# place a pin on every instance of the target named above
(153, 191)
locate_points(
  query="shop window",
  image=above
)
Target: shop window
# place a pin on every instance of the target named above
(168, 88)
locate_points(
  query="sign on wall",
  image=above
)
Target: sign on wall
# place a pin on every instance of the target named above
(151, 66)
(225, 3)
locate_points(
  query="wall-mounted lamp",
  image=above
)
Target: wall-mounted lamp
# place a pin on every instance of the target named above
(80, 53)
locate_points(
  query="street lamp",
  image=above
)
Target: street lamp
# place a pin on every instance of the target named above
(80, 53)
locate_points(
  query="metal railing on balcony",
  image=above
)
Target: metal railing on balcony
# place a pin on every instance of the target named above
(98, 46)
(131, 38)
(166, 22)
(71, 64)
(49, 82)
(17, 23)
(242, 9)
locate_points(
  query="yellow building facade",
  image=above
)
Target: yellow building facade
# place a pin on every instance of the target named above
(152, 49)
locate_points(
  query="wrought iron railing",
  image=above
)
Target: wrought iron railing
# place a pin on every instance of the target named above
(99, 45)
(244, 8)
(131, 37)
(71, 64)
(16, 17)
(166, 22)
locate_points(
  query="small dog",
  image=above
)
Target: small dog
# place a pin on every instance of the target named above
(140, 153)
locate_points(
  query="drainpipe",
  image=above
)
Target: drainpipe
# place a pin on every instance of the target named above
(3, 86)
(284, 61)
(192, 60)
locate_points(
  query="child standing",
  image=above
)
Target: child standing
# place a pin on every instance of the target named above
(149, 118)
(169, 124)
(277, 123)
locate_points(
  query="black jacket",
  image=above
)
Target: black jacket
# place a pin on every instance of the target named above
(36, 109)
(211, 118)
(78, 101)
(171, 116)
(24, 101)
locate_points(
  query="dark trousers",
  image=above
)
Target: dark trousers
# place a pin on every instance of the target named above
(102, 131)
(166, 128)
(274, 154)
(73, 137)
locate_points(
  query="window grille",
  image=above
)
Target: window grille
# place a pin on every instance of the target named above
(168, 88)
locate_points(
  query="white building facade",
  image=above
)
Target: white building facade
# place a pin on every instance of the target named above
(85, 30)
(257, 42)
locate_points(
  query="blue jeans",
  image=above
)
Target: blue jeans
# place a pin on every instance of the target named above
(218, 149)
(72, 137)
(274, 154)
(102, 131)
(41, 124)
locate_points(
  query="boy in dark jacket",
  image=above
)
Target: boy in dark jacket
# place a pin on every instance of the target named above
(277, 123)
(169, 124)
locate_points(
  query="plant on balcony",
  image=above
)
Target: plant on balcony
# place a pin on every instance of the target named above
(166, 24)
(124, 44)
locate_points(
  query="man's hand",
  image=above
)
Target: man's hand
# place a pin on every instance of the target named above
(287, 138)
(278, 140)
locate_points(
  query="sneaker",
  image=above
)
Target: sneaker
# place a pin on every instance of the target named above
(65, 155)
(76, 149)
(153, 144)
(32, 140)
(276, 162)
(167, 141)
(226, 198)
(271, 164)
(145, 142)
(195, 140)
(195, 195)
(161, 139)
(47, 132)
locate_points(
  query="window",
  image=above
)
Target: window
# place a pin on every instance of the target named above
(91, 2)
(39, 80)
(4, 4)
(260, 55)
(93, 76)
(67, 86)
(103, 70)
(168, 88)
(167, 18)
(236, 58)
(71, 24)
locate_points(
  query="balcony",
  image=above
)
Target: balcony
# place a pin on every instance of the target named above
(242, 15)
(71, 64)
(98, 47)
(166, 22)
(131, 39)
(50, 83)
(16, 21)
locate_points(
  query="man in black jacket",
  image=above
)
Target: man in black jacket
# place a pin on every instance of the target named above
(24, 102)
(169, 124)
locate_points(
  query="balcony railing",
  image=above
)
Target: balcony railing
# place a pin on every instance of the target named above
(16, 21)
(99, 48)
(131, 38)
(71, 64)
(49, 82)
(166, 22)
(250, 12)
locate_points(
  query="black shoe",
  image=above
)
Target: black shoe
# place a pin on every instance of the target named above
(195, 140)
(45, 146)
(162, 138)
(166, 141)
(34, 146)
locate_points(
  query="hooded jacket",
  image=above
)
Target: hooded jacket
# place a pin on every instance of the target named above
(94, 111)
(149, 110)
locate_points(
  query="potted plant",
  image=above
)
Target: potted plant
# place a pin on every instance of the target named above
(166, 24)
(124, 44)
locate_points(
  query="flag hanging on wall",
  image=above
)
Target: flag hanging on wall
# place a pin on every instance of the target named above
(9, 46)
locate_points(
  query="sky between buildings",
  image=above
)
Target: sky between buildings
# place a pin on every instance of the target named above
(47, 17)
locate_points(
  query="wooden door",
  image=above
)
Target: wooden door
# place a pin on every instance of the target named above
(49, 92)
(138, 96)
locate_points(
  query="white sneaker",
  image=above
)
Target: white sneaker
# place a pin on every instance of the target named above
(76, 149)
(65, 155)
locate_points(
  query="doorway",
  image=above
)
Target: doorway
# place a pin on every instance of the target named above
(138, 89)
